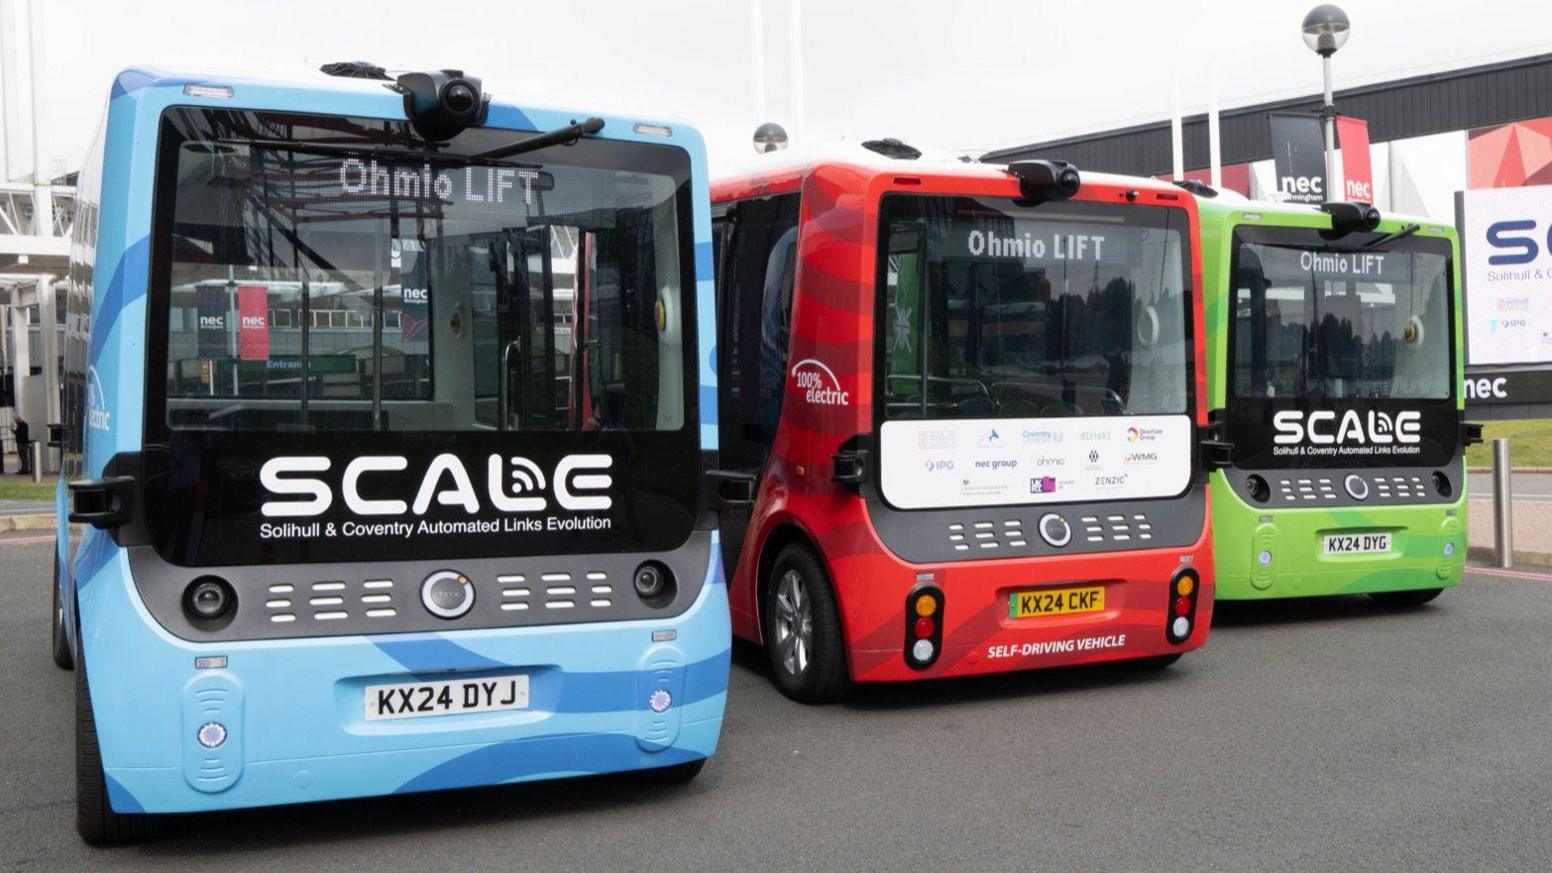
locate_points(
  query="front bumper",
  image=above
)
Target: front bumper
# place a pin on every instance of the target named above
(294, 712)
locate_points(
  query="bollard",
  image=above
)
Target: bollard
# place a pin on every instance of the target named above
(36, 450)
(1503, 504)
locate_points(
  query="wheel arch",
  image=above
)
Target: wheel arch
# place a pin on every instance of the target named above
(784, 533)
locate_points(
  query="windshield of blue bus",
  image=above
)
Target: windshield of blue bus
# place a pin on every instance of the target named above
(1314, 320)
(326, 276)
(424, 351)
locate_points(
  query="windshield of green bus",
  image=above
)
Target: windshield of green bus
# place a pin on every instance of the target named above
(996, 310)
(1323, 321)
(328, 274)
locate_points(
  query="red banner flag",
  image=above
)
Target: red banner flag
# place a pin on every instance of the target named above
(253, 322)
(1357, 175)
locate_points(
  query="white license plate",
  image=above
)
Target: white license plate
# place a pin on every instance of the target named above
(420, 699)
(1357, 544)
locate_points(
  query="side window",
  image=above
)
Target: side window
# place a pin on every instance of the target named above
(756, 258)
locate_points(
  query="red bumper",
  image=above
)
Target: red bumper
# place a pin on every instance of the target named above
(978, 636)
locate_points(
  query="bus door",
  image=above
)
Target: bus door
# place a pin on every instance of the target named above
(754, 310)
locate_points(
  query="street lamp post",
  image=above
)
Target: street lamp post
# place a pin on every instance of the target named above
(1326, 29)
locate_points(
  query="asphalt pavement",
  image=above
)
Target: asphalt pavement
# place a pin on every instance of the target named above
(1323, 735)
(1528, 487)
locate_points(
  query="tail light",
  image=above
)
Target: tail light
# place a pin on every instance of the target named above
(1180, 618)
(923, 626)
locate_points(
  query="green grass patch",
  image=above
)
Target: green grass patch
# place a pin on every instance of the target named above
(22, 489)
(1530, 443)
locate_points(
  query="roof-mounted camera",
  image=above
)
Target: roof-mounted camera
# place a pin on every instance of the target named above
(442, 103)
(1046, 180)
(1349, 218)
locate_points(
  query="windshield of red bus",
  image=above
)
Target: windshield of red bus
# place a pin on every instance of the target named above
(996, 310)
(1033, 353)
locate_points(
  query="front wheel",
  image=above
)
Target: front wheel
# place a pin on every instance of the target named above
(1406, 598)
(95, 819)
(803, 629)
(62, 656)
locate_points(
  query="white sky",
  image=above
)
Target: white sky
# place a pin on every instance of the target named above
(949, 74)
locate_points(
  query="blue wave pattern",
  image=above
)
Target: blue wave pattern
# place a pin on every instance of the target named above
(302, 722)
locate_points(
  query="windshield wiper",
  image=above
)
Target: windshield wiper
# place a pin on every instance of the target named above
(560, 136)
(1403, 233)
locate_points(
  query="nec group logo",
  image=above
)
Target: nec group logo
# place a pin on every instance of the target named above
(97, 414)
(512, 484)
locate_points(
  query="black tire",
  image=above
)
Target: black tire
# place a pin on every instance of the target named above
(1406, 598)
(1157, 662)
(62, 657)
(674, 774)
(95, 819)
(820, 675)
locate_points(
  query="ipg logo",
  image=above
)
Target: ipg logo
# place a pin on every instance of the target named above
(1516, 242)
(934, 466)
(1506, 324)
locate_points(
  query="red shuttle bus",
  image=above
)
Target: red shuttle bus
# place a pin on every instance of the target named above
(962, 419)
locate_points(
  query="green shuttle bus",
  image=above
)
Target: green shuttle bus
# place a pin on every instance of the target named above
(1334, 376)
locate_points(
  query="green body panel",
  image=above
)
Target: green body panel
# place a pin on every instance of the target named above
(1241, 531)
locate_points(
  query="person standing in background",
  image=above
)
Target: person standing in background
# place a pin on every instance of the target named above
(23, 445)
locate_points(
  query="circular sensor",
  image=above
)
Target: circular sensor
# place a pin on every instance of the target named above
(1055, 530)
(1356, 486)
(447, 594)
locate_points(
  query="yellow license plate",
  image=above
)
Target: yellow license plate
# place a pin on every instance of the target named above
(1055, 601)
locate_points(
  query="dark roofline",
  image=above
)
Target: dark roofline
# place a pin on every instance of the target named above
(1526, 76)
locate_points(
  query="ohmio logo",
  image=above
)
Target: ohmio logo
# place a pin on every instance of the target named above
(512, 484)
(1323, 428)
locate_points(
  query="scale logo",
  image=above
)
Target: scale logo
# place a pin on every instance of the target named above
(819, 384)
(1378, 429)
(97, 414)
(512, 484)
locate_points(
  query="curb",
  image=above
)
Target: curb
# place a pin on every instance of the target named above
(1533, 471)
(26, 521)
(1488, 553)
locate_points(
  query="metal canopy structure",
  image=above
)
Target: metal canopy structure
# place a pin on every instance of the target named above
(36, 219)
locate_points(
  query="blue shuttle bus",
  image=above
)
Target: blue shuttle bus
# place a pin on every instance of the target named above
(386, 406)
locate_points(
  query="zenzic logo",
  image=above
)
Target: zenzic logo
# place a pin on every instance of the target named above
(511, 485)
(96, 401)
